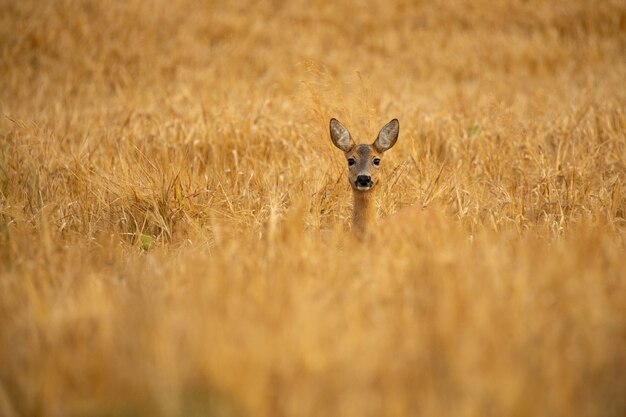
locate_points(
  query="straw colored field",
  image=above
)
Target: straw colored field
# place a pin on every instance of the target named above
(174, 220)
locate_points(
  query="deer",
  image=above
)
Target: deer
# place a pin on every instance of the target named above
(363, 164)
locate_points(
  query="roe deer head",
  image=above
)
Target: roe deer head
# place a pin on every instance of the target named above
(363, 164)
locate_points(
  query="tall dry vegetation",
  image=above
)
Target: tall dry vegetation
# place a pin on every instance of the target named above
(173, 217)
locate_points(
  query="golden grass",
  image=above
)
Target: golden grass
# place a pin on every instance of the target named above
(173, 216)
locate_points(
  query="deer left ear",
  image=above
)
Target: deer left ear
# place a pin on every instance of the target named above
(387, 136)
(340, 136)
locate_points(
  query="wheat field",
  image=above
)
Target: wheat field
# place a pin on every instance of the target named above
(175, 222)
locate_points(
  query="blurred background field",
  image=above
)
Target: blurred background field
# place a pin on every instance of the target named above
(174, 220)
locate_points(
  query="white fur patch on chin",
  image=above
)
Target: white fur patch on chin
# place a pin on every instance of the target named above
(362, 188)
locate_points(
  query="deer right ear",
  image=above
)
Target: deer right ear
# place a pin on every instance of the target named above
(340, 136)
(388, 136)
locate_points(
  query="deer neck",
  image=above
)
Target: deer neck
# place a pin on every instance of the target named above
(363, 211)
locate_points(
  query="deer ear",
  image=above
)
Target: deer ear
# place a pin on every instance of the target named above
(387, 136)
(340, 136)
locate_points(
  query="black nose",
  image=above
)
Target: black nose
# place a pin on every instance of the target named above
(363, 181)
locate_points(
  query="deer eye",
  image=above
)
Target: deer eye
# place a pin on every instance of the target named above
(376, 161)
(351, 161)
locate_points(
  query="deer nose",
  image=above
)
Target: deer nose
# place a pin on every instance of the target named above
(363, 181)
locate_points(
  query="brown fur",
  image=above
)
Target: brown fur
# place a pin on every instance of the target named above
(363, 211)
(364, 158)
